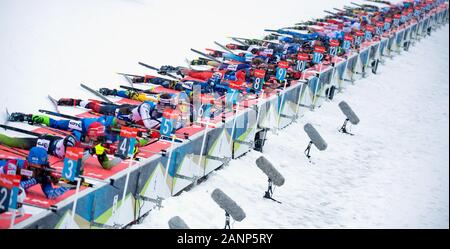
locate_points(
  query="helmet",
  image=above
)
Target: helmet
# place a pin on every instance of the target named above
(38, 155)
(110, 121)
(70, 141)
(96, 129)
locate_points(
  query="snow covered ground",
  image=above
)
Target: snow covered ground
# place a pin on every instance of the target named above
(393, 174)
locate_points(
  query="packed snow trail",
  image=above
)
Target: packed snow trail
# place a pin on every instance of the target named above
(394, 173)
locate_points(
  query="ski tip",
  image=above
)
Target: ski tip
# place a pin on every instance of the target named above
(7, 117)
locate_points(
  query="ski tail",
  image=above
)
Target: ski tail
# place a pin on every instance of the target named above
(188, 63)
(130, 75)
(59, 115)
(96, 93)
(137, 90)
(7, 117)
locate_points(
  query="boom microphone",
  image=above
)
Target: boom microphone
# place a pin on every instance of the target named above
(270, 171)
(348, 112)
(315, 137)
(177, 223)
(227, 204)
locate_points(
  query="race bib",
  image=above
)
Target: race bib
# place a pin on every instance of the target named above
(232, 67)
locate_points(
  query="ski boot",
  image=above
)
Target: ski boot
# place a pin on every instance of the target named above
(70, 184)
(68, 102)
(106, 91)
(19, 117)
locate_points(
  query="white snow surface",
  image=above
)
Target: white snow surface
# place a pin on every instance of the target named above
(392, 174)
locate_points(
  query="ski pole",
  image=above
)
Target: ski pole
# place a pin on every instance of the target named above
(74, 206)
(7, 127)
(170, 157)
(156, 69)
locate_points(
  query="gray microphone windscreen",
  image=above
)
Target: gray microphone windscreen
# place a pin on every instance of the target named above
(227, 204)
(177, 223)
(315, 137)
(270, 171)
(348, 112)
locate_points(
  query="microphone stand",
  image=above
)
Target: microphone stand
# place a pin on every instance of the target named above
(344, 128)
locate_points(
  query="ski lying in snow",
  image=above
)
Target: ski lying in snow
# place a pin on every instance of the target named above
(7, 127)
(206, 55)
(223, 47)
(56, 114)
(96, 93)
(13, 151)
(148, 66)
(54, 102)
(159, 71)
(67, 184)
(248, 42)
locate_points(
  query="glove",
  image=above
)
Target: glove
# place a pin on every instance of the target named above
(138, 80)
(106, 91)
(41, 119)
(99, 149)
